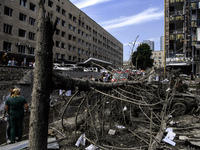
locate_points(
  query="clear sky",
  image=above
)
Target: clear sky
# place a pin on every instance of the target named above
(126, 19)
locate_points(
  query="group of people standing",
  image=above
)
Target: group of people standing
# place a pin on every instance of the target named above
(9, 62)
(15, 108)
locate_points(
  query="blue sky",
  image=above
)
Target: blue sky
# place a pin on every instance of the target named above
(126, 19)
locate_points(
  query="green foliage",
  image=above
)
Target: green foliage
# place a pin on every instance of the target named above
(142, 57)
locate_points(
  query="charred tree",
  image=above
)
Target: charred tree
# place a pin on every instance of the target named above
(38, 127)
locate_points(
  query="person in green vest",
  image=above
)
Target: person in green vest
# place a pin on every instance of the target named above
(15, 106)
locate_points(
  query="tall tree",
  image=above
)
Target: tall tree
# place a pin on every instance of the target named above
(142, 57)
(38, 127)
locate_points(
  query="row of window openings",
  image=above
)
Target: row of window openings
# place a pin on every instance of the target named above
(70, 58)
(70, 48)
(21, 33)
(74, 29)
(31, 6)
(158, 58)
(22, 17)
(8, 11)
(7, 46)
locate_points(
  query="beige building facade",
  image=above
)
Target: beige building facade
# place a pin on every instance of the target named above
(158, 57)
(76, 38)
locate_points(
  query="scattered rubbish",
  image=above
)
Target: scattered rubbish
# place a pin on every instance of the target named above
(81, 140)
(173, 123)
(111, 132)
(120, 126)
(168, 90)
(125, 108)
(169, 130)
(51, 132)
(170, 116)
(183, 138)
(91, 147)
(170, 137)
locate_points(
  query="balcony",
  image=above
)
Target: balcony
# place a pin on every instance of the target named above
(179, 18)
(197, 58)
(177, 1)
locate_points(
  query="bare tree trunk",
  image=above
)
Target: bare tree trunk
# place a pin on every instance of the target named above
(38, 127)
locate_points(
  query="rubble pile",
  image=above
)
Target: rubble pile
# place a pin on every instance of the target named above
(130, 117)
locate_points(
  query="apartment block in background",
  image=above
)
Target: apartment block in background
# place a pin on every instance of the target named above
(76, 38)
(150, 43)
(158, 57)
(162, 43)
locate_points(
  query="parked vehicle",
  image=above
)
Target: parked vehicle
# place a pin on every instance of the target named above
(57, 66)
(181, 102)
(119, 76)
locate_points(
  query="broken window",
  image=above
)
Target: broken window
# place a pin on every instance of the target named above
(57, 44)
(8, 11)
(79, 51)
(50, 3)
(22, 17)
(57, 31)
(63, 23)
(31, 21)
(22, 33)
(31, 51)
(57, 55)
(70, 26)
(21, 49)
(57, 8)
(79, 41)
(50, 16)
(74, 49)
(7, 46)
(69, 37)
(23, 3)
(74, 29)
(31, 36)
(58, 20)
(63, 45)
(83, 24)
(32, 7)
(79, 31)
(74, 38)
(63, 34)
(70, 16)
(69, 47)
(74, 19)
(69, 57)
(63, 56)
(63, 12)
(7, 29)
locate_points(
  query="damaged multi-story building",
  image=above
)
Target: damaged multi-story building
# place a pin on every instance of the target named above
(182, 34)
(76, 39)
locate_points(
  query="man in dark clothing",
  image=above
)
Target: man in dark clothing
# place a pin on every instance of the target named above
(15, 108)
